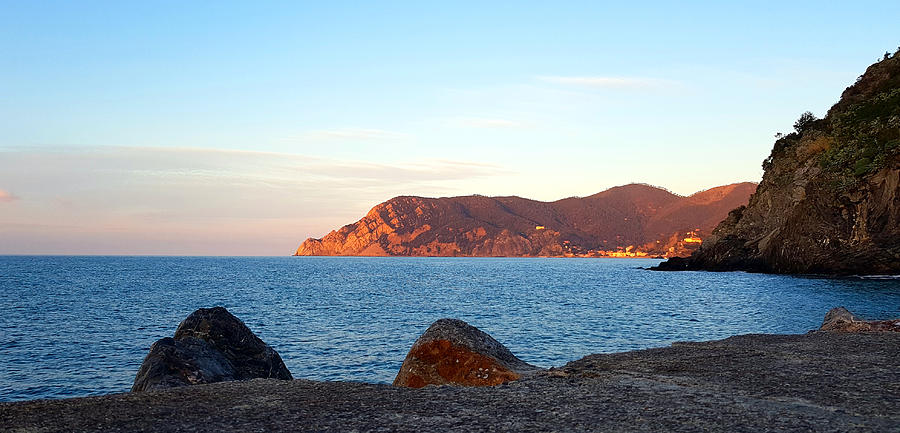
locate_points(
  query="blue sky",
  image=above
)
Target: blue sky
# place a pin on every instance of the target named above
(242, 128)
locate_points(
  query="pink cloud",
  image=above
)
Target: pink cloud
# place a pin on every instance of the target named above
(6, 196)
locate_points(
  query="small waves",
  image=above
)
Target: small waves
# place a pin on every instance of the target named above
(78, 326)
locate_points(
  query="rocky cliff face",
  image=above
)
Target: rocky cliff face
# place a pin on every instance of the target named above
(627, 218)
(829, 201)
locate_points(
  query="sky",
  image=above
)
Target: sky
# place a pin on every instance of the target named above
(242, 128)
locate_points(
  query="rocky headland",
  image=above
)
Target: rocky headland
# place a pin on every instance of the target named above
(630, 220)
(829, 200)
(840, 378)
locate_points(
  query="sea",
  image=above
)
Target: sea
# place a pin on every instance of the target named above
(78, 326)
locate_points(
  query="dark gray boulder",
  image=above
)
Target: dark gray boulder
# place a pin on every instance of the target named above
(252, 358)
(210, 345)
(190, 361)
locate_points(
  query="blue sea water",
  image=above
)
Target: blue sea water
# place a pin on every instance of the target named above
(78, 326)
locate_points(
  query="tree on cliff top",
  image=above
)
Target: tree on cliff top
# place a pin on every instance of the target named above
(804, 121)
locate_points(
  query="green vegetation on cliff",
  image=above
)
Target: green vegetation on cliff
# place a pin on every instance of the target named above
(860, 135)
(867, 136)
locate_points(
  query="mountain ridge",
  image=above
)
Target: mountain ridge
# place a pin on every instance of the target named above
(626, 220)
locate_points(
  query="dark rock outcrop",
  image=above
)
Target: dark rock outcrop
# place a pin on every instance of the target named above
(841, 320)
(210, 345)
(631, 217)
(829, 200)
(453, 352)
(190, 361)
(251, 357)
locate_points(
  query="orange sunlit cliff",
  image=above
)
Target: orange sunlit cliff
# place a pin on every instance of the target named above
(627, 221)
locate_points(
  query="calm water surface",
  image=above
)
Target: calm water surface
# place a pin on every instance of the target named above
(76, 326)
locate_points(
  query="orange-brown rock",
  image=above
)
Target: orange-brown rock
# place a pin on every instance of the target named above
(841, 320)
(631, 215)
(452, 352)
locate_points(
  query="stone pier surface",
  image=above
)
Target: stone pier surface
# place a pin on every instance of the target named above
(820, 382)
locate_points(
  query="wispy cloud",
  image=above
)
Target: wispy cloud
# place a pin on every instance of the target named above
(401, 174)
(6, 196)
(220, 166)
(608, 82)
(480, 122)
(350, 134)
(187, 200)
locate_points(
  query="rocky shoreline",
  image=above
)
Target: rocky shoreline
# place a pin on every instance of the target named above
(845, 378)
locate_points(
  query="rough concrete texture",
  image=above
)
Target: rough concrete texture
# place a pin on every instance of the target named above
(453, 352)
(821, 382)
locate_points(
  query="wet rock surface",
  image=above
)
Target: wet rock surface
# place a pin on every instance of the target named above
(453, 352)
(821, 382)
(211, 345)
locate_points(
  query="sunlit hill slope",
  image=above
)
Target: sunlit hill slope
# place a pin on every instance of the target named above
(629, 220)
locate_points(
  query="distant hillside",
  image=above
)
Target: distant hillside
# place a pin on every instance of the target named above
(626, 220)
